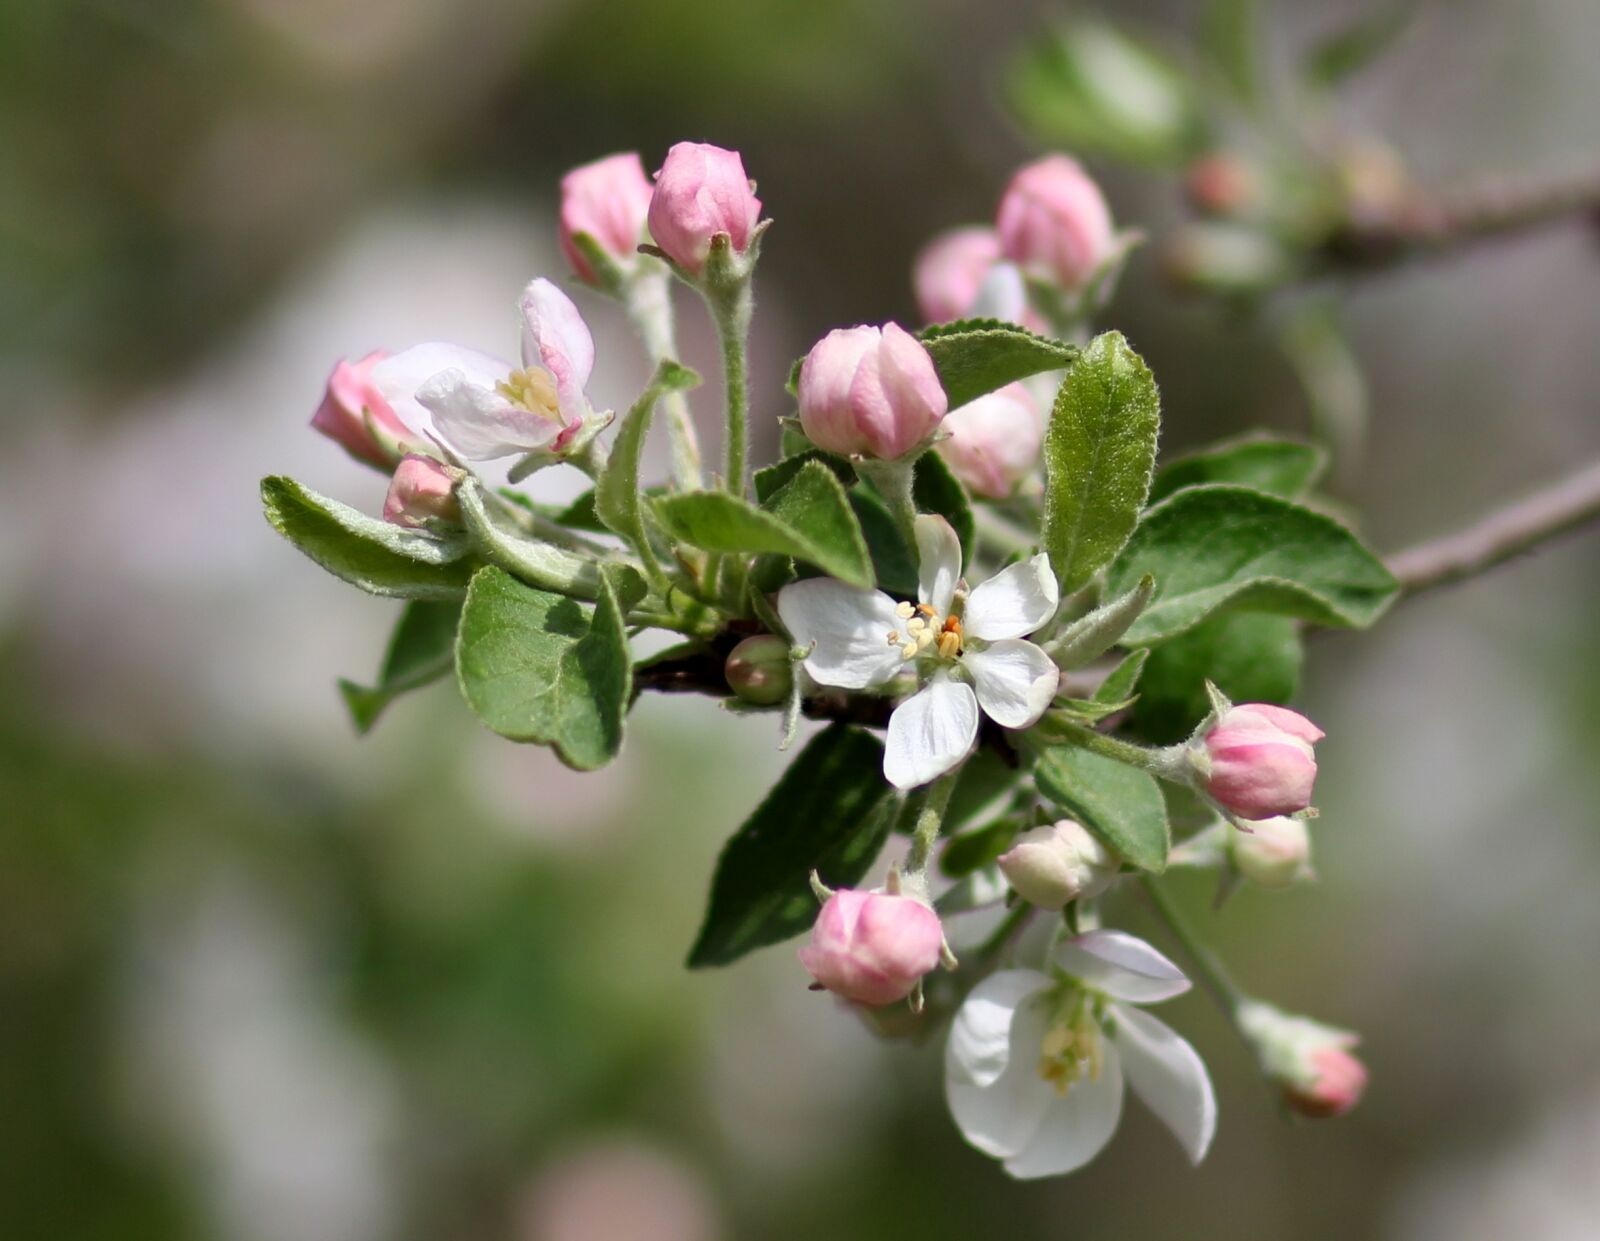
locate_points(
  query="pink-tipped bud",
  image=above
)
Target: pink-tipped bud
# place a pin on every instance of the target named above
(1054, 223)
(872, 947)
(422, 491)
(608, 201)
(950, 271)
(1257, 760)
(870, 392)
(351, 398)
(1053, 866)
(1310, 1061)
(700, 192)
(1275, 854)
(1221, 184)
(994, 441)
(760, 670)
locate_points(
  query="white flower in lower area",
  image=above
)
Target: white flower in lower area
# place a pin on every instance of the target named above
(966, 650)
(485, 408)
(1036, 1062)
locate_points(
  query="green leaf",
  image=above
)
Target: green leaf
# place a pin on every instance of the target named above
(618, 500)
(1095, 633)
(1230, 35)
(1093, 88)
(1280, 467)
(378, 556)
(1119, 685)
(769, 479)
(892, 562)
(1343, 54)
(1118, 803)
(1099, 451)
(974, 850)
(977, 356)
(539, 564)
(541, 667)
(421, 650)
(830, 811)
(1249, 656)
(1216, 546)
(809, 518)
(579, 515)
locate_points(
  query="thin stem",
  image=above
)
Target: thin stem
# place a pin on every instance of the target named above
(930, 819)
(1507, 532)
(1163, 763)
(731, 310)
(1213, 975)
(894, 481)
(648, 299)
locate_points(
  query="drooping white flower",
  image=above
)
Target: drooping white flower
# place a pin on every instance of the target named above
(483, 407)
(965, 649)
(1035, 1065)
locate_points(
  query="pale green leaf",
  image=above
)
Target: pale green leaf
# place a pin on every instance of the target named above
(977, 356)
(1282, 467)
(422, 649)
(1120, 804)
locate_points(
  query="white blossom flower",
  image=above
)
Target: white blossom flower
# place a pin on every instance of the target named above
(483, 407)
(966, 650)
(1036, 1062)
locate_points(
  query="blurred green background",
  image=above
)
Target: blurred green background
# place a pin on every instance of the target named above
(261, 981)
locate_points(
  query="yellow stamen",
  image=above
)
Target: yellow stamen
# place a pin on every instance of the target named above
(908, 651)
(533, 388)
(904, 611)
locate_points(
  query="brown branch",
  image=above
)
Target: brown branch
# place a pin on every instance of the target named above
(1421, 223)
(1505, 533)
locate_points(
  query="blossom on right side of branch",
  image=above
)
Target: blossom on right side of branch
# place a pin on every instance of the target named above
(1053, 222)
(701, 193)
(1255, 760)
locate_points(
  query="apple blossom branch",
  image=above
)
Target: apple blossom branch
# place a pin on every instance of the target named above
(1424, 223)
(1519, 527)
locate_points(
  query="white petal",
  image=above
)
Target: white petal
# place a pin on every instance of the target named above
(399, 377)
(478, 422)
(1170, 1077)
(1121, 965)
(555, 337)
(1015, 681)
(938, 562)
(929, 733)
(1001, 1118)
(1076, 1126)
(1013, 602)
(850, 627)
(980, 1036)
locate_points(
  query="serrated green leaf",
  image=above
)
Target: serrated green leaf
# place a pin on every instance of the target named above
(422, 649)
(540, 564)
(1099, 451)
(830, 811)
(769, 479)
(1249, 656)
(1123, 680)
(618, 498)
(378, 556)
(541, 667)
(1217, 546)
(1280, 467)
(1093, 88)
(1120, 804)
(809, 518)
(977, 356)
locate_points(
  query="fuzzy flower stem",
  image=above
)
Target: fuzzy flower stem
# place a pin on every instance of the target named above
(730, 307)
(648, 298)
(930, 819)
(894, 481)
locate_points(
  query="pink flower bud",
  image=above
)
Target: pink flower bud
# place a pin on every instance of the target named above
(1221, 184)
(422, 491)
(950, 271)
(871, 947)
(350, 397)
(994, 441)
(608, 200)
(760, 670)
(1054, 865)
(1053, 221)
(1334, 1084)
(701, 191)
(872, 392)
(1275, 854)
(1258, 762)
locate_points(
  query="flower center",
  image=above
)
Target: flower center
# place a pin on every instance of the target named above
(1073, 1046)
(533, 388)
(926, 632)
